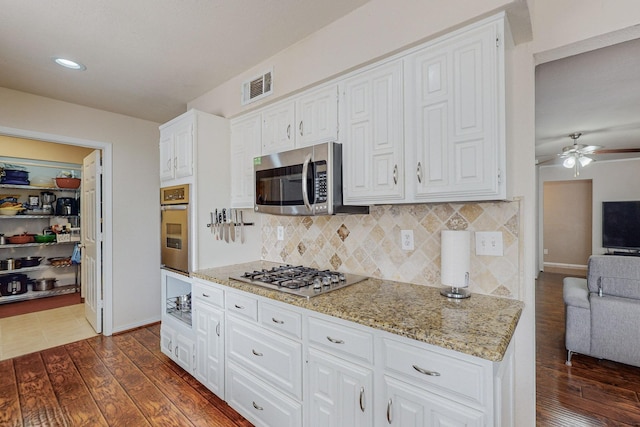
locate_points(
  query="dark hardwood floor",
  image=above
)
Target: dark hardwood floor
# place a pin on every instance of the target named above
(592, 392)
(123, 380)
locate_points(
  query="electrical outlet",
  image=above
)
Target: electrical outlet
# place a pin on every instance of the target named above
(406, 237)
(546, 252)
(489, 243)
(280, 232)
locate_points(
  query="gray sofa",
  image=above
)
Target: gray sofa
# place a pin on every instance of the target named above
(603, 310)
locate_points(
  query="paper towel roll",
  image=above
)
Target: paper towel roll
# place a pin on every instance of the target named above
(455, 257)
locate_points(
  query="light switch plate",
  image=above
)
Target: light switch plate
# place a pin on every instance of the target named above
(280, 231)
(489, 243)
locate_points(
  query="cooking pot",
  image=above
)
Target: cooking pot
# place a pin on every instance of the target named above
(10, 174)
(30, 261)
(13, 284)
(10, 264)
(44, 238)
(43, 284)
(68, 182)
(3, 240)
(21, 238)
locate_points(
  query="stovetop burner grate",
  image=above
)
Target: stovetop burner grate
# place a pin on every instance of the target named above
(299, 280)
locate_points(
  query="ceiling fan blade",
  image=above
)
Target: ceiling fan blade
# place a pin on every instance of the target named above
(588, 149)
(617, 151)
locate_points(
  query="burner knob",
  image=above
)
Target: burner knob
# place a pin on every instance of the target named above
(342, 277)
(317, 283)
(326, 281)
(335, 278)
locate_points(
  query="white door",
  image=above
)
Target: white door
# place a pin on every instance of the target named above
(91, 229)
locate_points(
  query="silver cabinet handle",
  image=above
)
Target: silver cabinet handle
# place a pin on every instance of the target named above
(205, 295)
(255, 405)
(300, 128)
(169, 164)
(335, 341)
(395, 174)
(218, 329)
(389, 405)
(175, 163)
(289, 131)
(279, 322)
(239, 307)
(425, 372)
(419, 172)
(169, 345)
(256, 353)
(175, 351)
(362, 399)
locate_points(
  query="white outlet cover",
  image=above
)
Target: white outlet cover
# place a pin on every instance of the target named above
(489, 243)
(406, 237)
(280, 231)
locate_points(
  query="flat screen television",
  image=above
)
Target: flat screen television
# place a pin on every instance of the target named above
(621, 225)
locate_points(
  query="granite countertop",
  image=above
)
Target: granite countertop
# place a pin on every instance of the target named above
(480, 326)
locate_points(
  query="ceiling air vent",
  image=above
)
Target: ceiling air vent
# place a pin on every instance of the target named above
(257, 88)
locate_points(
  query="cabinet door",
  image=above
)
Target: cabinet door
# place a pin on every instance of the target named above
(340, 393)
(209, 347)
(408, 406)
(373, 135)
(245, 145)
(185, 352)
(454, 123)
(167, 336)
(317, 117)
(183, 139)
(277, 128)
(167, 156)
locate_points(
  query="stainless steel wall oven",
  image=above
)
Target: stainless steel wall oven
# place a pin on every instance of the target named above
(174, 210)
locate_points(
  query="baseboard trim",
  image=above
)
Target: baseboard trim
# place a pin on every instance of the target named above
(562, 268)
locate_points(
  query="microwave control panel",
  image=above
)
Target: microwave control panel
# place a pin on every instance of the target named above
(321, 185)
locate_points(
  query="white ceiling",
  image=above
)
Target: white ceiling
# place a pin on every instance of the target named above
(148, 58)
(596, 93)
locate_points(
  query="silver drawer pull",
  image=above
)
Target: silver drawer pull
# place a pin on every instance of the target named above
(256, 353)
(279, 322)
(424, 371)
(218, 329)
(239, 307)
(395, 174)
(335, 341)
(419, 173)
(259, 408)
(205, 295)
(362, 399)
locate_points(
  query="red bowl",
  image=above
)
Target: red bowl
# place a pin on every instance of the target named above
(68, 182)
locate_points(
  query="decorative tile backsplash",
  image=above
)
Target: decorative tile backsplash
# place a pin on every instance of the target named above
(370, 244)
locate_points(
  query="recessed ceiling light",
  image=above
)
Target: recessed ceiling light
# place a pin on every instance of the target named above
(67, 63)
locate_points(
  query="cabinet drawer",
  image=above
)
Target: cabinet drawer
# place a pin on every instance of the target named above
(208, 294)
(259, 403)
(279, 319)
(435, 370)
(275, 359)
(242, 305)
(343, 340)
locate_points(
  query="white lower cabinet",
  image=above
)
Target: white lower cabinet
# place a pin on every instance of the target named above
(340, 392)
(209, 329)
(409, 406)
(179, 346)
(260, 403)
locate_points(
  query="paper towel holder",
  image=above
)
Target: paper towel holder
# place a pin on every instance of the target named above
(457, 292)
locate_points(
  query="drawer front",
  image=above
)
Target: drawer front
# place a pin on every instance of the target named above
(259, 403)
(279, 319)
(343, 340)
(435, 370)
(243, 305)
(207, 294)
(275, 359)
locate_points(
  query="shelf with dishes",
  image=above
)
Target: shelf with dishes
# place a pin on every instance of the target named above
(47, 216)
(31, 294)
(37, 188)
(26, 245)
(4, 272)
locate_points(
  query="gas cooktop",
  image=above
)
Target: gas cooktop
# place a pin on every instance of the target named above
(298, 280)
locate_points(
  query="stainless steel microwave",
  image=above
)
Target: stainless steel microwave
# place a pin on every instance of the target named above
(304, 181)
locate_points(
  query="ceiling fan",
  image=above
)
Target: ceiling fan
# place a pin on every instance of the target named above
(580, 155)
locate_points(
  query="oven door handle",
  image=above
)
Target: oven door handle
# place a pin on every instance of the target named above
(173, 207)
(305, 190)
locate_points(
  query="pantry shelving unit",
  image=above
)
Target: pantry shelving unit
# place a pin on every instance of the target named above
(67, 275)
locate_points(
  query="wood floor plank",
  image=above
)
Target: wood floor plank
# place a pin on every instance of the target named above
(115, 404)
(37, 399)
(155, 406)
(10, 413)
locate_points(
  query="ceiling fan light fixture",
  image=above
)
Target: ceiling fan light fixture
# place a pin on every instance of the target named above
(67, 63)
(569, 162)
(584, 161)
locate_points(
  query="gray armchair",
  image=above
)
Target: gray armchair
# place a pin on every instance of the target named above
(603, 310)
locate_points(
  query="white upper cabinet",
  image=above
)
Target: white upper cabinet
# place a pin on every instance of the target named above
(177, 147)
(278, 128)
(455, 117)
(372, 137)
(317, 116)
(245, 145)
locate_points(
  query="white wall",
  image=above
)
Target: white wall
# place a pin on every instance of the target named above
(136, 247)
(612, 180)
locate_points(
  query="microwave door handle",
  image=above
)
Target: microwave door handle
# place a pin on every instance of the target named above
(305, 191)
